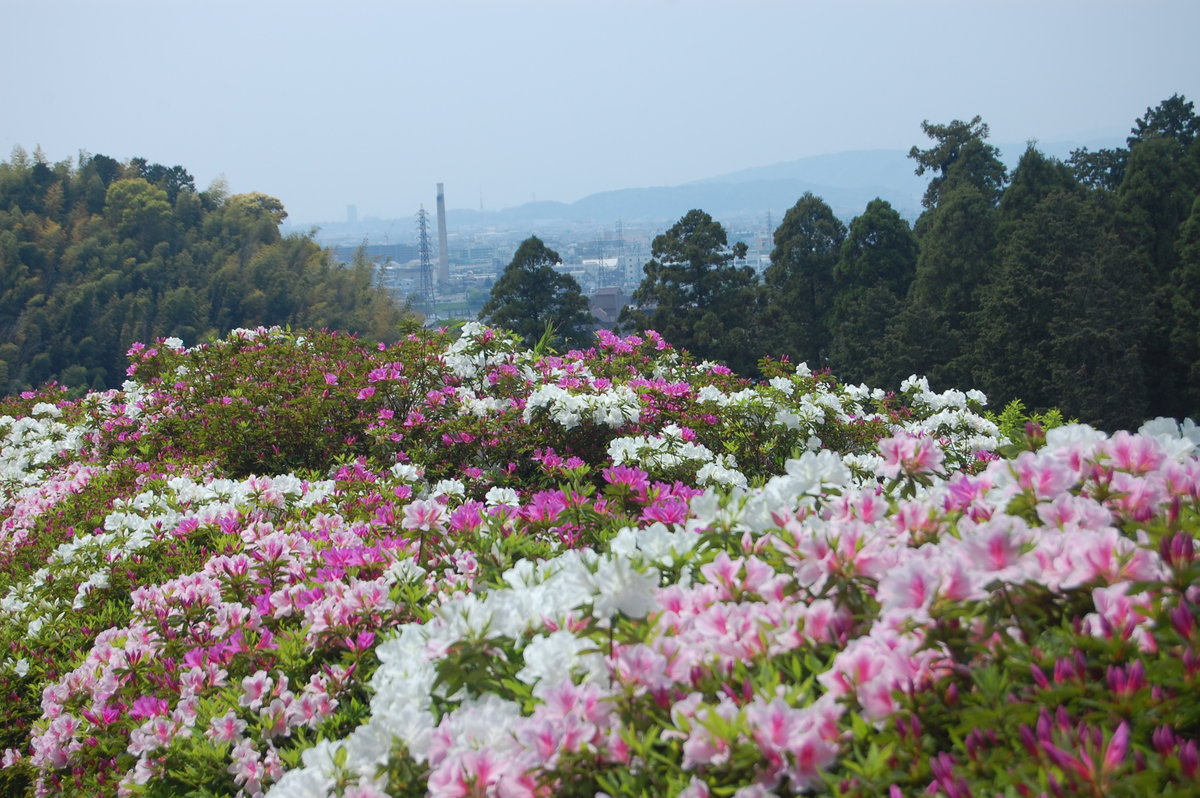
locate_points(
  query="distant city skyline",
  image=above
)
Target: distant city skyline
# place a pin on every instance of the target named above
(371, 103)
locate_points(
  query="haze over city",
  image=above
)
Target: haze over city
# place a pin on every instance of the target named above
(326, 105)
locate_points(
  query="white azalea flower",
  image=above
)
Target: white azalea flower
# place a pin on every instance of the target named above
(502, 496)
(553, 657)
(622, 588)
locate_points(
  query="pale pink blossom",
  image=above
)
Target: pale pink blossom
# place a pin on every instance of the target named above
(909, 455)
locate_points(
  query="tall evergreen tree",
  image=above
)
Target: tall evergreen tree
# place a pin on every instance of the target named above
(1096, 331)
(958, 250)
(959, 154)
(1035, 178)
(1043, 233)
(1042, 250)
(695, 297)
(875, 268)
(799, 280)
(1153, 201)
(1173, 118)
(1185, 314)
(934, 333)
(532, 294)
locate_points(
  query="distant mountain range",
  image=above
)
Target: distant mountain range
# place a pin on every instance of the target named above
(847, 181)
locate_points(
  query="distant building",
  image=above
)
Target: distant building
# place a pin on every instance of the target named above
(632, 264)
(378, 253)
(606, 305)
(603, 272)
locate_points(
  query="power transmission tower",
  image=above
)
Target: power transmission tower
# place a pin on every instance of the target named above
(620, 253)
(426, 258)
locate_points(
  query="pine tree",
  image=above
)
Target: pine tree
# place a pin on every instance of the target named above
(532, 294)
(799, 280)
(1185, 315)
(875, 268)
(695, 297)
(958, 250)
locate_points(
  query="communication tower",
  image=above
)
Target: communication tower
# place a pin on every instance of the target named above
(620, 253)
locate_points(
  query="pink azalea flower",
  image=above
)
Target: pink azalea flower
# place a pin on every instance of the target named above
(909, 588)
(909, 455)
(1135, 454)
(1044, 477)
(424, 514)
(226, 728)
(148, 707)
(255, 689)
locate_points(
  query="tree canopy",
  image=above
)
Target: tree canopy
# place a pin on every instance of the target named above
(695, 296)
(799, 280)
(875, 268)
(98, 254)
(532, 296)
(959, 154)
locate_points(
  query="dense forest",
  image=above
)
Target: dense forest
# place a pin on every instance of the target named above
(98, 254)
(1065, 284)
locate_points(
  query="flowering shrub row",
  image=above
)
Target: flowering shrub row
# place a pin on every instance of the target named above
(295, 565)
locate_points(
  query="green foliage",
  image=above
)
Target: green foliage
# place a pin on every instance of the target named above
(535, 300)
(800, 281)
(874, 270)
(97, 255)
(695, 297)
(1185, 309)
(958, 248)
(254, 409)
(1023, 428)
(1174, 117)
(1047, 237)
(1103, 169)
(1035, 177)
(959, 155)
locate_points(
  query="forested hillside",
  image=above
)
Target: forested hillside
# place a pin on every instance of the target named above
(1072, 284)
(98, 254)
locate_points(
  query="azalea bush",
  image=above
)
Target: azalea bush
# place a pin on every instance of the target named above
(294, 564)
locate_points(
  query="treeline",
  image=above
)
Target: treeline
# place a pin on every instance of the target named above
(98, 254)
(1065, 284)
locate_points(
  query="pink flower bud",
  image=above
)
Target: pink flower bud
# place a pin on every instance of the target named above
(1189, 761)
(1118, 746)
(1163, 740)
(1029, 742)
(1182, 620)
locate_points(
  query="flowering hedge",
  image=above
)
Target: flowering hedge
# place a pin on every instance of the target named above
(291, 564)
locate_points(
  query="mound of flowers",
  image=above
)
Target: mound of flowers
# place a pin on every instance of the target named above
(291, 564)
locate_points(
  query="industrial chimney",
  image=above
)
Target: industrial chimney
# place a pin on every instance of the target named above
(443, 249)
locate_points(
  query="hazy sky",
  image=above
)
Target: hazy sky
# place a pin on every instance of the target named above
(323, 104)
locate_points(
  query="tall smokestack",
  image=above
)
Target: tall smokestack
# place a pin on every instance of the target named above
(443, 249)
